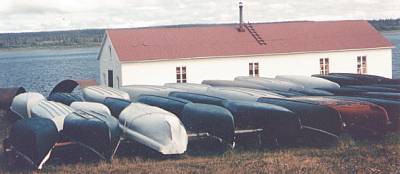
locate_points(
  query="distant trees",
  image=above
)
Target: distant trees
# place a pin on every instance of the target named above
(386, 24)
(73, 38)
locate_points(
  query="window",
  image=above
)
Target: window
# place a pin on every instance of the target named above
(324, 66)
(361, 64)
(181, 74)
(254, 69)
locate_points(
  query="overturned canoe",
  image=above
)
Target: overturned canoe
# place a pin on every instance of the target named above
(64, 98)
(91, 107)
(23, 103)
(319, 123)
(341, 80)
(236, 93)
(365, 78)
(136, 90)
(7, 95)
(284, 88)
(97, 132)
(392, 107)
(279, 124)
(385, 95)
(189, 87)
(31, 140)
(232, 83)
(197, 118)
(374, 88)
(68, 86)
(308, 82)
(199, 98)
(215, 120)
(99, 93)
(170, 104)
(116, 105)
(363, 119)
(345, 91)
(154, 127)
(271, 83)
(52, 110)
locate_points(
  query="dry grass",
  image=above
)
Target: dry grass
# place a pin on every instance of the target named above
(348, 156)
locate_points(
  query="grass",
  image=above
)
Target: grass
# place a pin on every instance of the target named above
(348, 156)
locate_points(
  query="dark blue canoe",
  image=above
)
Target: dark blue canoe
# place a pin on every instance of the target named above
(279, 125)
(31, 140)
(64, 98)
(341, 80)
(97, 132)
(199, 98)
(320, 124)
(116, 105)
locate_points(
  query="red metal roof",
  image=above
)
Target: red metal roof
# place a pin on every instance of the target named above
(224, 40)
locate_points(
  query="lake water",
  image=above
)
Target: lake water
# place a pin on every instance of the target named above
(394, 37)
(40, 70)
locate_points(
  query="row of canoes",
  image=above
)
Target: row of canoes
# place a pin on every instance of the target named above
(285, 110)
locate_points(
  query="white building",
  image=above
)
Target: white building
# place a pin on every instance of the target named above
(194, 53)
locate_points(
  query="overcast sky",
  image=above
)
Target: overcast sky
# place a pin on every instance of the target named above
(44, 15)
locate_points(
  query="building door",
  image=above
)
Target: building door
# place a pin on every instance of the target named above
(110, 78)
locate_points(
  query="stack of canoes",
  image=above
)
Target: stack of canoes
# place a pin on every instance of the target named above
(285, 110)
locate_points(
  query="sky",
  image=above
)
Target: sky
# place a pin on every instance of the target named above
(49, 15)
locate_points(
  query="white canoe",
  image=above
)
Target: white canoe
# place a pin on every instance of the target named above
(91, 107)
(308, 81)
(189, 87)
(52, 110)
(99, 93)
(136, 90)
(23, 103)
(271, 83)
(237, 93)
(154, 127)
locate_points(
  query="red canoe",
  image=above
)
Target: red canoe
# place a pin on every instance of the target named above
(363, 119)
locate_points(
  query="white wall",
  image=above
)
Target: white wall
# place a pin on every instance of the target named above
(109, 61)
(160, 72)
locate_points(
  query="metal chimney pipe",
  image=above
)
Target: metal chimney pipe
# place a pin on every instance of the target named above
(241, 28)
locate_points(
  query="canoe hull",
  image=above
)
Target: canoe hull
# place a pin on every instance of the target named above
(33, 139)
(100, 133)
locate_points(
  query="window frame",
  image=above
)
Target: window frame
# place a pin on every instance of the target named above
(181, 74)
(254, 69)
(324, 66)
(362, 64)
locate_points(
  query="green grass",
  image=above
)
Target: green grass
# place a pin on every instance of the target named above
(348, 156)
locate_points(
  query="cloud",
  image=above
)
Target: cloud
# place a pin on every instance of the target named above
(38, 15)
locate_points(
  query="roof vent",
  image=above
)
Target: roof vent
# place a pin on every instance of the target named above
(241, 28)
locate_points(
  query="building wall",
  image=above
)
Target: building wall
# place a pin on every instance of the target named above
(225, 68)
(109, 61)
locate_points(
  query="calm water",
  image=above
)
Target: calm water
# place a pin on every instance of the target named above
(394, 37)
(41, 70)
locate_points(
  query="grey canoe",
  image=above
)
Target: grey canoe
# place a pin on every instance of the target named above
(22, 104)
(308, 82)
(154, 127)
(52, 110)
(99, 93)
(189, 87)
(136, 90)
